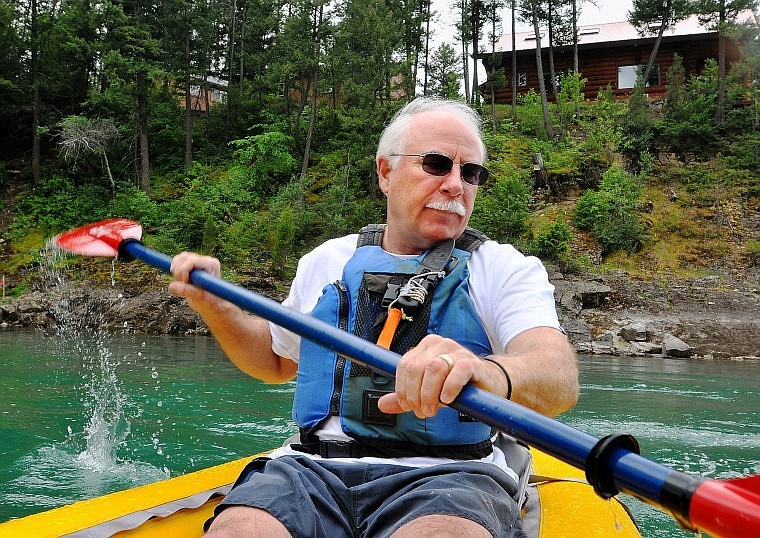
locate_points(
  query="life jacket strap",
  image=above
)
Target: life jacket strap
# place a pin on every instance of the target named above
(379, 448)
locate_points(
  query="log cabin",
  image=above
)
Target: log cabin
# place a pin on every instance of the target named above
(609, 54)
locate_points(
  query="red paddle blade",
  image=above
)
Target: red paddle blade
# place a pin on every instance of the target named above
(727, 508)
(99, 238)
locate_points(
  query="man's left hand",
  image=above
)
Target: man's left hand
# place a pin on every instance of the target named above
(433, 373)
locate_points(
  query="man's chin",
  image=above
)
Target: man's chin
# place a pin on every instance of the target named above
(441, 232)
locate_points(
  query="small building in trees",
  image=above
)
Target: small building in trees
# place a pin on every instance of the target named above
(205, 93)
(610, 54)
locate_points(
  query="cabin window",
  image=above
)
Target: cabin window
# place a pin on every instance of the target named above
(522, 79)
(548, 82)
(627, 75)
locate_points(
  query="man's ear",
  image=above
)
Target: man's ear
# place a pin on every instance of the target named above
(384, 168)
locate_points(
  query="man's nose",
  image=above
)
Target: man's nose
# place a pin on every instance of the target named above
(452, 182)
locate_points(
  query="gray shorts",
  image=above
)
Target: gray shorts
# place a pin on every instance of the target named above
(324, 498)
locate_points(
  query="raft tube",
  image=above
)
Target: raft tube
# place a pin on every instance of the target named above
(559, 503)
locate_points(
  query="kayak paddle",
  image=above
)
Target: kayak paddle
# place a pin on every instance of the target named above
(723, 508)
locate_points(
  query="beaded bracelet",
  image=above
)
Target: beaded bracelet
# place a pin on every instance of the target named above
(509, 379)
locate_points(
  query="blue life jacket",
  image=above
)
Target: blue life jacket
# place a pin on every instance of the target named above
(329, 385)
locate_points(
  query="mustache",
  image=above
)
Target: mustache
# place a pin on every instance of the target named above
(451, 206)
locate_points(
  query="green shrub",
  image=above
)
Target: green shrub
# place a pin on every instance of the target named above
(554, 242)
(264, 162)
(562, 160)
(245, 241)
(610, 212)
(742, 152)
(502, 212)
(638, 129)
(133, 203)
(57, 205)
(345, 210)
(530, 115)
(688, 123)
(570, 97)
(282, 237)
(604, 125)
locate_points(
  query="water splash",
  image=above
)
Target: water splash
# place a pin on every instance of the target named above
(108, 410)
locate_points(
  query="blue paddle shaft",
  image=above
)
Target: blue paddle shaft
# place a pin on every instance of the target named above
(630, 472)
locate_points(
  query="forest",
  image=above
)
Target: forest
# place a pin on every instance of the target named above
(105, 114)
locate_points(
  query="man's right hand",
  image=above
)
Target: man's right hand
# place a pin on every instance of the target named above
(198, 299)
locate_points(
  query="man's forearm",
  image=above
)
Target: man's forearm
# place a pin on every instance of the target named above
(543, 370)
(247, 342)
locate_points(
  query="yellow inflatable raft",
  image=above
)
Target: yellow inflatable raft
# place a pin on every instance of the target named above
(559, 504)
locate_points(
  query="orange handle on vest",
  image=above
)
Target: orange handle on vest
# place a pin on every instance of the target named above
(389, 328)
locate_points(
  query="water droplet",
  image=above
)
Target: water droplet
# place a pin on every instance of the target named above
(154, 374)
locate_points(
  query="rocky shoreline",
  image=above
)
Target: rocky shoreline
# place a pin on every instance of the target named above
(609, 314)
(709, 318)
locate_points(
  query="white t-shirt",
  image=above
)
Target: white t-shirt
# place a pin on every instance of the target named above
(511, 293)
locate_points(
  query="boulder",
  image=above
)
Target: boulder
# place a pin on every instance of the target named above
(673, 346)
(646, 348)
(592, 295)
(634, 332)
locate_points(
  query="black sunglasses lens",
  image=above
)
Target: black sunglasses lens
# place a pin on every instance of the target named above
(474, 174)
(436, 164)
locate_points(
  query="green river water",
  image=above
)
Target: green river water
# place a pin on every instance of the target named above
(83, 414)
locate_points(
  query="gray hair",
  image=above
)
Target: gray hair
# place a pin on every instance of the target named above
(394, 137)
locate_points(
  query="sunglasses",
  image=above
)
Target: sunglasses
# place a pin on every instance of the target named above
(437, 164)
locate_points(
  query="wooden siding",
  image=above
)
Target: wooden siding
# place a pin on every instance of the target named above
(599, 63)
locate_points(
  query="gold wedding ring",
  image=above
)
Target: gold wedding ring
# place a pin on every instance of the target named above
(447, 359)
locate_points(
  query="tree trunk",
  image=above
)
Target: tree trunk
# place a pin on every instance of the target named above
(465, 62)
(475, 31)
(142, 121)
(317, 28)
(242, 44)
(188, 97)
(36, 168)
(107, 166)
(540, 70)
(552, 75)
(720, 104)
(493, 69)
(653, 56)
(427, 46)
(575, 36)
(310, 130)
(514, 65)
(230, 62)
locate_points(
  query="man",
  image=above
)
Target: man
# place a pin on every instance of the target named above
(376, 459)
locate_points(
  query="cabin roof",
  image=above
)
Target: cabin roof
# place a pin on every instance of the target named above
(618, 33)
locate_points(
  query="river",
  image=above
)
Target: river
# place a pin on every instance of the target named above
(86, 414)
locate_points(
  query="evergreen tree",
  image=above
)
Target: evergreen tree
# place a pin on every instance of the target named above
(723, 16)
(445, 73)
(663, 13)
(530, 10)
(14, 139)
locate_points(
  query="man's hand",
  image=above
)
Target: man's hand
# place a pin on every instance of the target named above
(433, 374)
(541, 364)
(198, 299)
